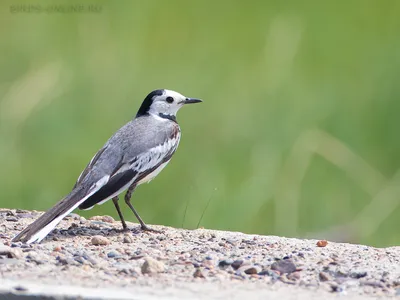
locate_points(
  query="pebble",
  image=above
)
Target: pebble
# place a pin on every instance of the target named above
(337, 288)
(198, 273)
(100, 240)
(270, 273)
(284, 266)
(90, 259)
(73, 216)
(66, 261)
(10, 252)
(128, 239)
(322, 243)
(35, 257)
(294, 276)
(225, 263)
(86, 268)
(73, 225)
(325, 276)
(113, 254)
(252, 270)
(106, 219)
(358, 275)
(152, 266)
(236, 264)
(20, 288)
(79, 259)
(12, 219)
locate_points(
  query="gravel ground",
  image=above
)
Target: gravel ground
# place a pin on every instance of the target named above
(94, 259)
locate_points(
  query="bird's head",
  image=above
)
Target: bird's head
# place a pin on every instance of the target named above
(164, 103)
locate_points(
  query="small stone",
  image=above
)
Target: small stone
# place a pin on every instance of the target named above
(358, 275)
(57, 249)
(10, 252)
(35, 257)
(337, 288)
(12, 219)
(86, 268)
(61, 260)
(268, 273)
(73, 216)
(284, 266)
(90, 260)
(106, 219)
(20, 288)
(113, 254)
(152, 266)
(65, 261)
(225, 263)
(252, 270)
(231, 242)
(324, 276)
(127, 239)
(236, 264)
(73, 225)
(100, 240)
(294, 276)
(198, 273)
(322, 243)
(207, 263)
(79, 259)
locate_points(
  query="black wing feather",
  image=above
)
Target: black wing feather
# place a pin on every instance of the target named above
(116, 183)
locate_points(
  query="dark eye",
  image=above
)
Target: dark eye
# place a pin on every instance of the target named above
(169, 99)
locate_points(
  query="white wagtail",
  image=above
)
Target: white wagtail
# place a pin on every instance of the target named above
(135, 154)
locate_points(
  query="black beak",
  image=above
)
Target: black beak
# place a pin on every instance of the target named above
(191, 100)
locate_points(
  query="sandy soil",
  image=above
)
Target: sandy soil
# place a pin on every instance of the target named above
(93, 259)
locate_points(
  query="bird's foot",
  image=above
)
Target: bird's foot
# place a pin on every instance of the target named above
(144, 227)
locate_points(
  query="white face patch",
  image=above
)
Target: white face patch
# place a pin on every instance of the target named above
(162, 104)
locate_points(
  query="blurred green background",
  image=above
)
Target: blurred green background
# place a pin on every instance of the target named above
(297, 135)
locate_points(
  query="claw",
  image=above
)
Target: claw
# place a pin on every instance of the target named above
(149, 229)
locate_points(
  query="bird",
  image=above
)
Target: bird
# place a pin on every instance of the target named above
(135, 154)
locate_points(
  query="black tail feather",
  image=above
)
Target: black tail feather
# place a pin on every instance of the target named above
(57, 210)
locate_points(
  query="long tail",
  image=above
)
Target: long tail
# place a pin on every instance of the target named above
(40, 228)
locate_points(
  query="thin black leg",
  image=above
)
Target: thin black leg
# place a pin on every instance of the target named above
(128, 196)
(116, 204)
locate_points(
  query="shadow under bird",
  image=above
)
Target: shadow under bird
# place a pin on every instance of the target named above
(135, 154)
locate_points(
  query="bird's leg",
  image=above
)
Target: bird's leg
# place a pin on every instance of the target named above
(116, 204)
(128, 196)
